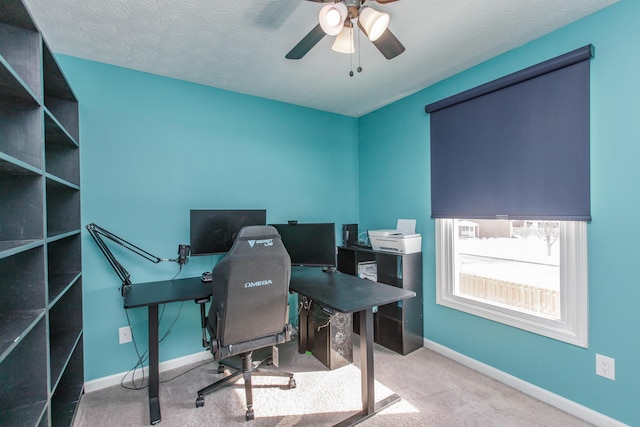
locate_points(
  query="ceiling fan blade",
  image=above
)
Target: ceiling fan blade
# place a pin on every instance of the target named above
(389, 45)
(306, 44)
(272, 14)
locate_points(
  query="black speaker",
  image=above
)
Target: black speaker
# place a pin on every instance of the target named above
(332, 336)
(349, 235)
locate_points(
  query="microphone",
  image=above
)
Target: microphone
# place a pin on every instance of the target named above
(183, 253)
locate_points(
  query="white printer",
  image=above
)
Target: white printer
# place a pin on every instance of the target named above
(402, 240)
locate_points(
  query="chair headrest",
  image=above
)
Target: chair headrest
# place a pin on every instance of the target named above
(258, 232)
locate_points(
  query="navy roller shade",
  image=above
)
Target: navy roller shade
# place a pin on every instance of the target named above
(516, 147)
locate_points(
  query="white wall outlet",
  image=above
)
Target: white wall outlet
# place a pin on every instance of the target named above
(124, 334)
(606, 366)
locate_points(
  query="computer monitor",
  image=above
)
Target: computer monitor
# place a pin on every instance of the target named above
(213, 231)
(309, 244)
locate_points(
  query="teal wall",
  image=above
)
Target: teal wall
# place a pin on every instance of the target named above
(152, 148)
(394, 183)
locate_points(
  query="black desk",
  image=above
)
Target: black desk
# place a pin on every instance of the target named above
(339, 291)
(150, 295)
(350, 294)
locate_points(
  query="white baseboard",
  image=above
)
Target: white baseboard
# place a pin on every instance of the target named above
(564, 404)
(111, 380)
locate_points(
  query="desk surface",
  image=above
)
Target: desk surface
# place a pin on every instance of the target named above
(165, 291)
(340, 291)
(343, 292)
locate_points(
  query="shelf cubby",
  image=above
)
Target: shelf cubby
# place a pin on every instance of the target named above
(65, 327)
(389, 267)
(69, 389)
(22, 298)
(12, 86)
(21, 132)
(58, 96)
(388, 332)
(21, 53)
(23, 395)
(61, 152)
(64, 264)
(63, 207)
(21, 206)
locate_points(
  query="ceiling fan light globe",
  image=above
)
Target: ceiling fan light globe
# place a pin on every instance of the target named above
(332, 18)
(373, 22)
(344, 41)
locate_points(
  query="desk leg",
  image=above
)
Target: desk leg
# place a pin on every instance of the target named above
(154, 375)
(367, 375)
(303, 335)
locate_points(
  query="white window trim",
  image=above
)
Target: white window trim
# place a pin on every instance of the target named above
(572, 327)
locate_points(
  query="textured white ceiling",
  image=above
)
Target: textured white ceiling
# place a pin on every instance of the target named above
(240, 45)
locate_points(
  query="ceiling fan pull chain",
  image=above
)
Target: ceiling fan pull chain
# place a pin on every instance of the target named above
(359, 67)
(351, 55)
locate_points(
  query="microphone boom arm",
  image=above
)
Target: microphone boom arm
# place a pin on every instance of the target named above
(98, 233)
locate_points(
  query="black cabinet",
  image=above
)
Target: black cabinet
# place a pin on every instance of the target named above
(397, 326)
(41, 362)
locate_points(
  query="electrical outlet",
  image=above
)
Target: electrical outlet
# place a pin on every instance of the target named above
(606, 366)
(124, 334)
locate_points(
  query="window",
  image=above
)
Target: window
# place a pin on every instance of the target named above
(530, 274)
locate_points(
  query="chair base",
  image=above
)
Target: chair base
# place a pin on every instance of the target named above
(246, 371)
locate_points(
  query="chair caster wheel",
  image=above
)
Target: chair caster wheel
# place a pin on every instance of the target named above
(250, 416)
(199, 402)
(221, 369)
(292, 383)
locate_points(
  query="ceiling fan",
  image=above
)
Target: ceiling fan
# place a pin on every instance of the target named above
(337, 17)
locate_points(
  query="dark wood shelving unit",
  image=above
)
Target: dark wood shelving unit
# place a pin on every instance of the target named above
(41, 338)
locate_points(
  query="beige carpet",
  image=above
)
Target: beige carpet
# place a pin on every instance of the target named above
(435, 391)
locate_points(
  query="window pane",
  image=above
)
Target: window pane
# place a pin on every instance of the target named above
(513, 264)
(544, 265)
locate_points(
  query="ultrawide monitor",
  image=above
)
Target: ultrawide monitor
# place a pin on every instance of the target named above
(309, 244)
(214, 231)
